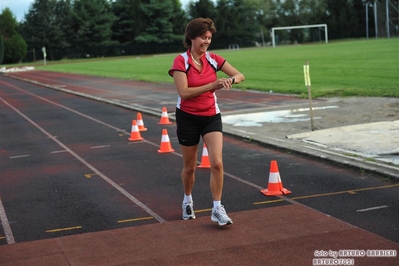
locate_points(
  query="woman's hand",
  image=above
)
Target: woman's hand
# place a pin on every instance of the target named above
(221, 83)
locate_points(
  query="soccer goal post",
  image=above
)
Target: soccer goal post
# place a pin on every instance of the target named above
(299, 27)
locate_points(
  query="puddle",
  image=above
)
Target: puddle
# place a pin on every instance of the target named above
(283, 116)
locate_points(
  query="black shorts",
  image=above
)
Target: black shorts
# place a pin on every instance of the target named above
(191, 127)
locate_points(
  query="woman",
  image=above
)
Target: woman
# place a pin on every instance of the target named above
(198, 114)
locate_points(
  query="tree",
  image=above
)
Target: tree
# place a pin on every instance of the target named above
(341, 18)
(235, 22)
(8, 23)
(1, 49)
(92, 22)
(315, 11)
(247, 17)
(133, 21)
(359, 10)
(40, 27)
(222, 21)
(130, 20)
(14, 45)
(158, 17)
(62, 22)
(266, 17)
(202, 8)
(179, 18)
(15, 49)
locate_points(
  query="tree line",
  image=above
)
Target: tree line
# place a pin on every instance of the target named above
(76, 28)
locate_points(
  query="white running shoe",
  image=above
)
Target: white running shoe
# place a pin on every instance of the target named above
(220, 216)
(188, 211)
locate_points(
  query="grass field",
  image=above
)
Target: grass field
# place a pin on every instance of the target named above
(344, 68)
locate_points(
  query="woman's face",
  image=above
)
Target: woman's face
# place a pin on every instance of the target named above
(201, 43)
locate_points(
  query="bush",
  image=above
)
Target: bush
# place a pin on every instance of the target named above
(15, 49)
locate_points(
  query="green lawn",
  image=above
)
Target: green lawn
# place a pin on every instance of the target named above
(344, 68)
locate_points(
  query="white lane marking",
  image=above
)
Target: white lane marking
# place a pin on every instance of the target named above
(99, 147)
(6, 225)
(58, 151)
(67, 108)
(239, 179)
(19, 156)
(372, 208)
(108, 180)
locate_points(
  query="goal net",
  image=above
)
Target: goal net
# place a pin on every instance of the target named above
(299, 34)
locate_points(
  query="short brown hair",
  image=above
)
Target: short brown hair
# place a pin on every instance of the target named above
(197, 27)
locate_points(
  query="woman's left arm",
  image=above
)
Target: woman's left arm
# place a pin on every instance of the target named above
(233, 73)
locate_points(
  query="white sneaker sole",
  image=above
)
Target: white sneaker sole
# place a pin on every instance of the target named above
(188, 218)
(221, 224)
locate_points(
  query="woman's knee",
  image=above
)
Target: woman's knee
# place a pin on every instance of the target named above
(217, 166)
(189, 170)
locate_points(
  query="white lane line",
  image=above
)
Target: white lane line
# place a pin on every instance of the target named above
(372, 208)
(66, 108)
(239, 179)
(108, 180)
(99, 147)
(6, 225)
(58, 151)
(19, 156)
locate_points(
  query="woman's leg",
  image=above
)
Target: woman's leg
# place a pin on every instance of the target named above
(214, 145)
(189, 164)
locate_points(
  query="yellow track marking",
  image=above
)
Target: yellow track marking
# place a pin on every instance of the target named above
(63, 229)
(351, 191)
(135, 219)
(204, 210)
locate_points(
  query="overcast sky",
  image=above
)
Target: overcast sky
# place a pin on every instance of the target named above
(20, 7)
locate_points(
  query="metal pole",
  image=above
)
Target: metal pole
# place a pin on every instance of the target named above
(375, 19)
(326, 33)
(387, 11)
(367, 21)
(273, 41)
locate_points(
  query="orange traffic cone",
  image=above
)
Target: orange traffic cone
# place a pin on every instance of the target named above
(275, 186)
(140, 123)
(135, 133)
(164, 117)
(165, 143)
(205, 159)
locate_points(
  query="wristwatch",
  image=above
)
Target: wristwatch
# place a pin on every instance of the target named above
(233, 79)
